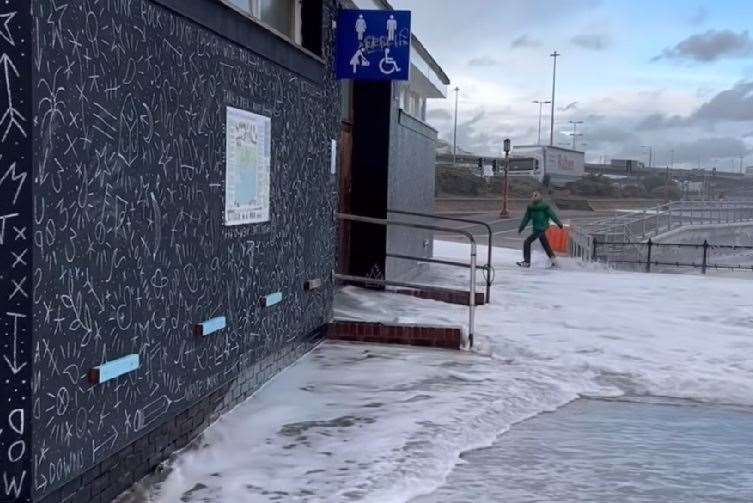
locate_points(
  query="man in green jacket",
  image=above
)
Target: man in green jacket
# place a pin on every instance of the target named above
(538, 213)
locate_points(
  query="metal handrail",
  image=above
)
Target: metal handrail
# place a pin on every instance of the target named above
(610, 223)
(388, 223)
(489, 266)
(428, 260)
(653, 221)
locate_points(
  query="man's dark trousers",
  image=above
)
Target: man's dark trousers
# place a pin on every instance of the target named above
(541, 236)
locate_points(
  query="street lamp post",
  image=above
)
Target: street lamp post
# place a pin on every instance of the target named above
(541, 104)
(455, 134)
(575, 131)
(506, 188)
(554, 55)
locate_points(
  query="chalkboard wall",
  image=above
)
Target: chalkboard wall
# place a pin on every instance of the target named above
(15, 251)
(129, 246)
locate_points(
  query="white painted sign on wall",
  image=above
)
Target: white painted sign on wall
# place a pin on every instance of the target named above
(247, 167)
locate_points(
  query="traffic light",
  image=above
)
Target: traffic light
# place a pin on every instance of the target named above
(495, 168)
(481, 164)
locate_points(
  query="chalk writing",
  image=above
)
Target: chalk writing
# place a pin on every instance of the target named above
(15, 251)
(127, 249)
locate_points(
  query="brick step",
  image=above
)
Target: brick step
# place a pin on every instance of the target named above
(448, 295)
(434, 336)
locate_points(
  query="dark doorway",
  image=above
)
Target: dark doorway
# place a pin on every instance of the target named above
(364, 178)
(345, 191)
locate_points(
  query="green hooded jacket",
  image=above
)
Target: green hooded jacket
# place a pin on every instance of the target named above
(539, 213)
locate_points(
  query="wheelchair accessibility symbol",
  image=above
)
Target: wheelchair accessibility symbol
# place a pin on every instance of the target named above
(387, 65)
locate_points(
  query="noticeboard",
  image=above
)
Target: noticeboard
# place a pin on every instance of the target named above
(247, 166)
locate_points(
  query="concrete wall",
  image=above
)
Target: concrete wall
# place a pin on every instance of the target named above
(739, 234)
(410, 188)
(112, 239)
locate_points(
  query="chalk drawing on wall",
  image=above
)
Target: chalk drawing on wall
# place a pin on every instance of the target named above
(122, 248)
(16, 256)
(247, 166)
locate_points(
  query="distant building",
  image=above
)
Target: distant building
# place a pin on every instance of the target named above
(693, 187)
(749, 171)
(624, 167)
(629, 165)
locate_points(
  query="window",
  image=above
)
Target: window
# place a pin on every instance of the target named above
(299, 20)
(244, 5)
(277, 14)
(311, 25)
(413, 104)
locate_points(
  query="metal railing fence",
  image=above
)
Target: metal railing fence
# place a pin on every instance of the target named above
(650, 255)
(368, 281)
(638, 226)
(488, 268)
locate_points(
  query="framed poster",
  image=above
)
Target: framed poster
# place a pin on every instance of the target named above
(247, 165)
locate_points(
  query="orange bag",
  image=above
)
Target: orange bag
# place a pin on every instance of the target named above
(559, 239)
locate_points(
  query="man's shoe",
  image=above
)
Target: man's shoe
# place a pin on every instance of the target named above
(523, 264)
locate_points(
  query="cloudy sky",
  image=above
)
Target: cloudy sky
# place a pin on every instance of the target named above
(675, 74)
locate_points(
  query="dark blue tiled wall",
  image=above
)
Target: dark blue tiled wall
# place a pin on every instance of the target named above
(129, 246)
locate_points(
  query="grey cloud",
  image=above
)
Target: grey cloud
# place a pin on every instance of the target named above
(748, 135)
(569, 106)
(524, 41)
(477, 117)
(710, 46)
(708, 148)
(734, 104)
(482, 135)
(730, 105)
(660, 121)
(590, 118)
(700, 15)
(592, 41)
(610, 134)
(483, 61)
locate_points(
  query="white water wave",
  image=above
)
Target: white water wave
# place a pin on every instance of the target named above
(386, 423)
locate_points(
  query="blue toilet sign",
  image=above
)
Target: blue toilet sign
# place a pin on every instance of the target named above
(373, 45)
